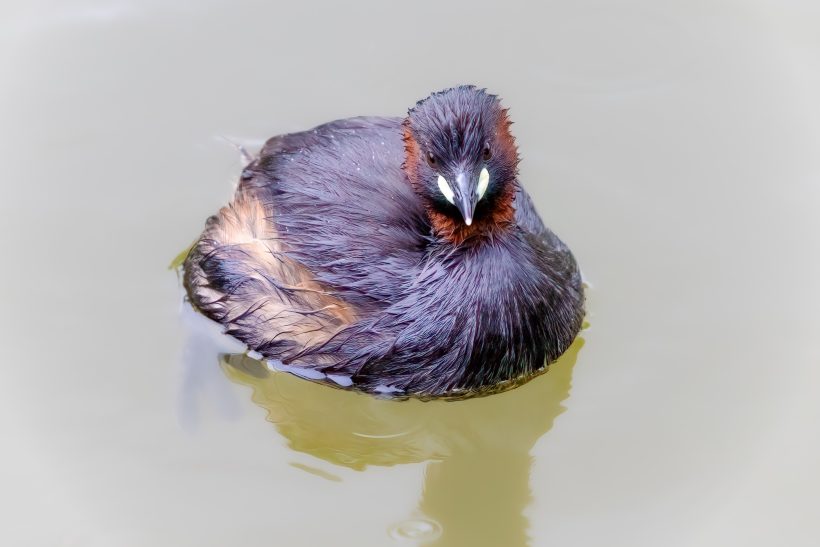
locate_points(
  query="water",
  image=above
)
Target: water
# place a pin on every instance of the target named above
(673, 146)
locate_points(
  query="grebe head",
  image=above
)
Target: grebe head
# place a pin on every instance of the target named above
(461, 156)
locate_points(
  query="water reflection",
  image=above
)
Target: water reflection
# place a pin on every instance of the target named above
(476, 485)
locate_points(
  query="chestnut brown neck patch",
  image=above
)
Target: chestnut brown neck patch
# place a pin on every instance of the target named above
(505, 139)
(500, 217)
(411, 150)
(455, 231)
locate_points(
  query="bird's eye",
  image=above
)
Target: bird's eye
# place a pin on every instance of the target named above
(432, 161)
(487, 153)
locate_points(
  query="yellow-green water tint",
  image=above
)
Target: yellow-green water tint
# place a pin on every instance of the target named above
(476, 484)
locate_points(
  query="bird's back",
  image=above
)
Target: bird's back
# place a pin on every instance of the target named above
(343, 207)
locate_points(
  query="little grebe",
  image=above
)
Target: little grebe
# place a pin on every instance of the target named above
(392, 255)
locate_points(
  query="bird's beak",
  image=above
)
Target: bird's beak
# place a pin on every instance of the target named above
(465, 200)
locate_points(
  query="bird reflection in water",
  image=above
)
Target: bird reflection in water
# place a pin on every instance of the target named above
(476, 484)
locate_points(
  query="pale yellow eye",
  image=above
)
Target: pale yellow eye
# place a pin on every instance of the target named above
(445, 189)
(483, 182)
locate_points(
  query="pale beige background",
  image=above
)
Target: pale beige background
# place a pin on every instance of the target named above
(674, 145)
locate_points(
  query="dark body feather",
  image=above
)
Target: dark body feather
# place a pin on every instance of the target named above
(421, 315)
(343, 204)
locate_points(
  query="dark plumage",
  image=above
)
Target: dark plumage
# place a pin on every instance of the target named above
(392, 255)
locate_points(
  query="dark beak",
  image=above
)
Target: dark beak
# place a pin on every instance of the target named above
(465, 198)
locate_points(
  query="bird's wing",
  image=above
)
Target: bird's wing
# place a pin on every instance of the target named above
(344, 208)
(557, 252)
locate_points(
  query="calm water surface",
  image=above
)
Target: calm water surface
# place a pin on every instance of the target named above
(673, 145)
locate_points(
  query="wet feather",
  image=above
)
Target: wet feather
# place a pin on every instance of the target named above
(340, 255)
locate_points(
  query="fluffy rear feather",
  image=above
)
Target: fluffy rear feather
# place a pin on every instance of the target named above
(239, 274)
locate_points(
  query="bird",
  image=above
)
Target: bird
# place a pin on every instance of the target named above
(397, 256)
